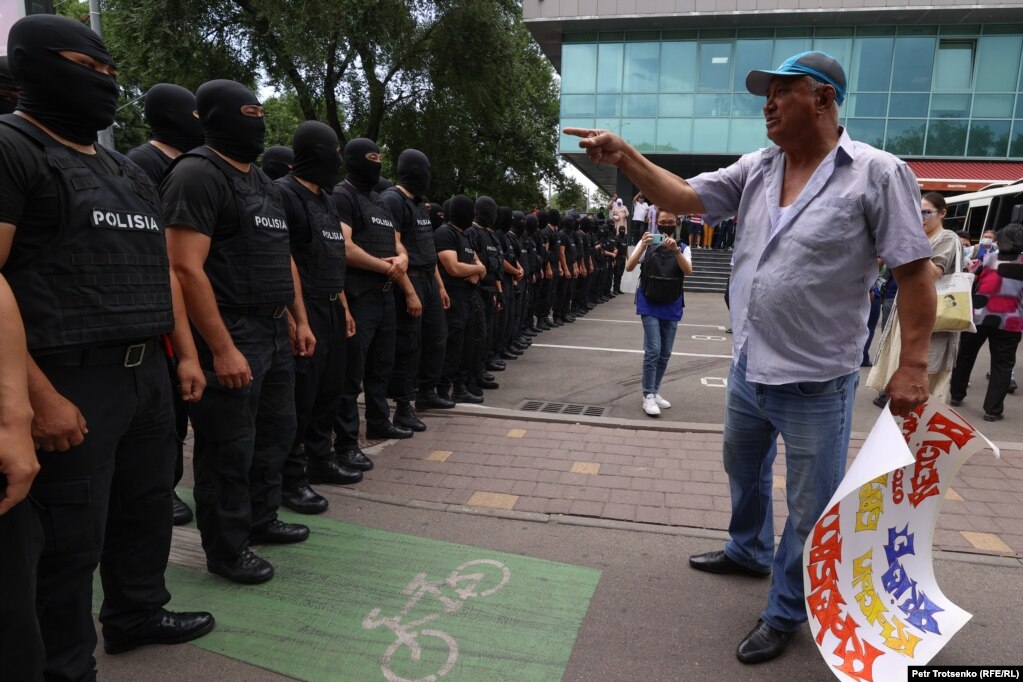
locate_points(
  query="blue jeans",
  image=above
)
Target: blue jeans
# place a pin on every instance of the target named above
(658, 338)
(814, 419)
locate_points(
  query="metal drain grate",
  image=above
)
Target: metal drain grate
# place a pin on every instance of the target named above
(572, 409)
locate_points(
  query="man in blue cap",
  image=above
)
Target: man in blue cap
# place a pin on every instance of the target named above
(798, 332)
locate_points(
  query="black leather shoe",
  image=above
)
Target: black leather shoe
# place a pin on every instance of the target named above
(509, 354)
(954, 403)
(544, 326)
(245, 569)
(304, 500)
(762, 644)
(331, 471)
(994, 417)
(167, 627)
(354, 458)
(489, 385)
(718, 562)
(474, 387)
(519, 348)
(277, 532)
(881, 401)
(489, 377)
(461, 395)
(406, 417)
(495, 366)
(182, 514)
(530, 331)
(433, 401)
(569, 319)
(388, 432)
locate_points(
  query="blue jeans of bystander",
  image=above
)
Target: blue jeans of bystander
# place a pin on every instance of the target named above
(658, 339)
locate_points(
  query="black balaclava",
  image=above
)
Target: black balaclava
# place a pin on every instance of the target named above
(227, 129)
(459, 211)
(437, 214)
(504, 218)
(518, 222)
(317, 154)
(1010, 242)
(72, 100)
(486, 211)
(382, 184)
(8, 86)
(588, 225)
(360, 171)
(414, 172)
(554, 218)
(169, 114)
(568, 223)
(277, 161)
(531, 224)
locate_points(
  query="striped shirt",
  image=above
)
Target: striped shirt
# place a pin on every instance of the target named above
(799, 288)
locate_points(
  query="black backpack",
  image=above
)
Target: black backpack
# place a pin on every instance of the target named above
(661, 277)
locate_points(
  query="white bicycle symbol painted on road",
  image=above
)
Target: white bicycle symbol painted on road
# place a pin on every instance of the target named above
(465, 584)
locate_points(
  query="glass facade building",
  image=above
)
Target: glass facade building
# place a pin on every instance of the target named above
(948, 91)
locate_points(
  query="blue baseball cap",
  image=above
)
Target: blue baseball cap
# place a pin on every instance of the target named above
(820, 66)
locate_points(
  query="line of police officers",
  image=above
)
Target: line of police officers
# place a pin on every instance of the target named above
(180, 282)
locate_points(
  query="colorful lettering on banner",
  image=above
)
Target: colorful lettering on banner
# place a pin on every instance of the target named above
(871, 504)
(872, 549)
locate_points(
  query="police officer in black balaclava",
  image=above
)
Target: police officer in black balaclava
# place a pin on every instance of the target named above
(551, 241)
(622, 245)
(517, 241)
(569, 269)
(228, 239)
(534, 312)
(509, 269)
(489, 290)
(86, 259)
(377, 262)
(277, 161)
(174, 129)
(318, 249)
(436, 215)
(461, 269)
(422, 332)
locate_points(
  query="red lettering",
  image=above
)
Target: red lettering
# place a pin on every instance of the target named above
(958, 433)
(857, 655)
(826, 605)
(924, 482)
(897, 486)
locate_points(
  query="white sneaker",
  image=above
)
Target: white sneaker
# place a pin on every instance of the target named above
(661, 402)
(650, 405)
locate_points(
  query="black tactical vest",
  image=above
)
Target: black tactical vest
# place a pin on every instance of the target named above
(321, 261)
(553, 241)
(372, 228)
(489, 254)
(155, 160)
(416, 232)
(464, 254)
(250, 266)
(571, 252)
(105, 277)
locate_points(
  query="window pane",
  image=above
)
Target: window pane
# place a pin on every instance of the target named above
(839, 48)
(946, 138)
(950, 106)
(570, 143)
(747, 105)
(908, 105)
(678, 66)
(787, 47)
(713, 105)
(710, 135)
(715, 66)
(914, 61)
(988, 138)
(868, 105)
(612, 124)
(1016, 145)
(869, 130)
(577, 105)
(992, 106)
(954, 70)
(642, 61)
(998, 63)
(640, 132)
(674, 134)
(609, 105)
(746, 135)
(578, 68)
(640, 105)
(906, 138)
(675, 105)
(871, 64)
(750, 55)
(609, 67)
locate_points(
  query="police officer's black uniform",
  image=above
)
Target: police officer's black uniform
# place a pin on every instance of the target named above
(489, 252)
(552, 242)
(566, 287)
(88, 267)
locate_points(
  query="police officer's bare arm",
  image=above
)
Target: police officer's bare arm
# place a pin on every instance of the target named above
(18, 462)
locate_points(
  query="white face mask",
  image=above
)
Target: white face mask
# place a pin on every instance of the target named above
(968, 251)
(987, 241)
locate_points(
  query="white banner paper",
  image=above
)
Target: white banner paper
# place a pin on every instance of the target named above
(871, 597)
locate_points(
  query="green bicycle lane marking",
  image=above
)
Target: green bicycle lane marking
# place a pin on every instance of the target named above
(356, 603)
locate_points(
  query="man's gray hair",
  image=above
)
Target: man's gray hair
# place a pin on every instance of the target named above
(813, 85)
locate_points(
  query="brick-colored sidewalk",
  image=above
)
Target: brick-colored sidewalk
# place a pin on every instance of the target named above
(644, 476)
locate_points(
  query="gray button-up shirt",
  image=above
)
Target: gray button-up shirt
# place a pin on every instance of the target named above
(799, 288)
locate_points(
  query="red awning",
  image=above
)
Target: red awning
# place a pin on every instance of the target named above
(964, 176)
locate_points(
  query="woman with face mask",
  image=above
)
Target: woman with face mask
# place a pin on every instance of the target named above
(947, 259)
(987, 245)
(659, 302)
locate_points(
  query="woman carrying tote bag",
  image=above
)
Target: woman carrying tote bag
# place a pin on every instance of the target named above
(947, 259)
